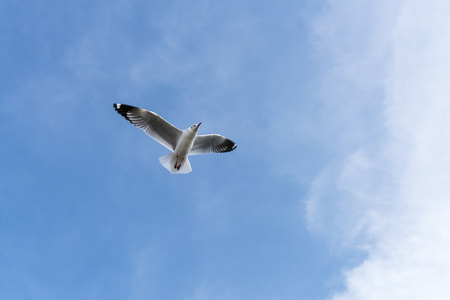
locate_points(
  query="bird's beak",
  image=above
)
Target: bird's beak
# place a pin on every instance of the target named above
(199, 124)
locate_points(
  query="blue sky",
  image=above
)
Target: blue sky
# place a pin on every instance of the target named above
(338, 186)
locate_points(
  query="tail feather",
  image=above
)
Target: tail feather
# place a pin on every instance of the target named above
(168, 161)
(185, 167)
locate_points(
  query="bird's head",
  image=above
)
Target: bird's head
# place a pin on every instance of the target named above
(195, 127)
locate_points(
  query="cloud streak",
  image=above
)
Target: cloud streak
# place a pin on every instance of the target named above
(393, 202)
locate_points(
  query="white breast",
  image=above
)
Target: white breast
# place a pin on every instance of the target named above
(185, 143)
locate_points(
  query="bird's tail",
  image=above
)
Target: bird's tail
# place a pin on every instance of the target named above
(169, 160)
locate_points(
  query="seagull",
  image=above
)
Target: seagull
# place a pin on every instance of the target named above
(182, 143)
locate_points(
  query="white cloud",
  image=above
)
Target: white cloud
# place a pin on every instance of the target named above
(396, 200)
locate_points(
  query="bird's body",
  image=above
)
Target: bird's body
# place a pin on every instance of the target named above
(182, 142)
(179, 157)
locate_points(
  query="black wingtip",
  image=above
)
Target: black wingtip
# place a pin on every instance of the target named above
(227, 146)
(123, 109)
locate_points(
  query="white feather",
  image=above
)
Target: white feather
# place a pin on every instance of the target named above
(169, 160)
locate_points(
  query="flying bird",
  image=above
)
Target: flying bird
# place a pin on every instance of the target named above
(182, 143)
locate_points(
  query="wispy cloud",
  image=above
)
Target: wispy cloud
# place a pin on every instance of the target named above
(396, 197)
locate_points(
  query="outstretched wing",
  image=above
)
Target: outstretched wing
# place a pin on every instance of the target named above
(152, 124)
(204, 144)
